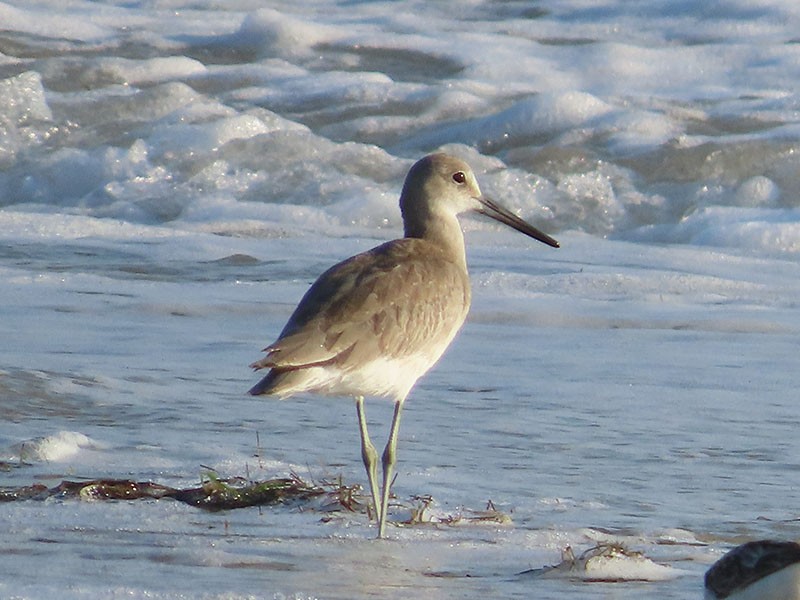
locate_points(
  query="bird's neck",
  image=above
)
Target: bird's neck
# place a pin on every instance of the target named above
(444, 231)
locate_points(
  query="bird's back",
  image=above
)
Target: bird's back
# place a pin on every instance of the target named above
(372, 324)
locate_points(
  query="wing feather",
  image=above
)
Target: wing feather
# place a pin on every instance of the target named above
(391, 301)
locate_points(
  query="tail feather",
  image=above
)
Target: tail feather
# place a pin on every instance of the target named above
(266, 385)
(265, 363)
(285, 382)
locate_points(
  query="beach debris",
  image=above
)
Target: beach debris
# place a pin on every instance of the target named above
(215, 493)
(608, 562)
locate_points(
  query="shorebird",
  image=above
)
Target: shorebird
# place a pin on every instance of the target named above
(376, 322)
(760, 570)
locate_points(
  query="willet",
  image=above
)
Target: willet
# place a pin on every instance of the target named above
(760, 570)
(376, 322)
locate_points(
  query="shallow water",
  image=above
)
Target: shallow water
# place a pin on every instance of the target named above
(174, 176)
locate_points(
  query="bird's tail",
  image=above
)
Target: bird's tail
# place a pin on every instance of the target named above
(284, 382)
(266, 385)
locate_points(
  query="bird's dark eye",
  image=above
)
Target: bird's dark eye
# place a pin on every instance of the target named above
(459, 177)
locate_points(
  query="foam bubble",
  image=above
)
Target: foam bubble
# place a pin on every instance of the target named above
(274, 32)
(25, 112)
(23, 98)
(757, 191)
(54, 448)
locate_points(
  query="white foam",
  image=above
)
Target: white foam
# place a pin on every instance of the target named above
(757, 191)
(272, 31)
(138, 72)
(42, 21)
(202, 138)
(25, 114)
(544, 114)
(765, 231)
(23, 98)
(634, 89)
(53, 448)
(610, 563)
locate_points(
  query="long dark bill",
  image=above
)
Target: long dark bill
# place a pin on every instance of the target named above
(498, 213)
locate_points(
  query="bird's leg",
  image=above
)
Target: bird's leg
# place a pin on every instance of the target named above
(389, 460)
(369, 455)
